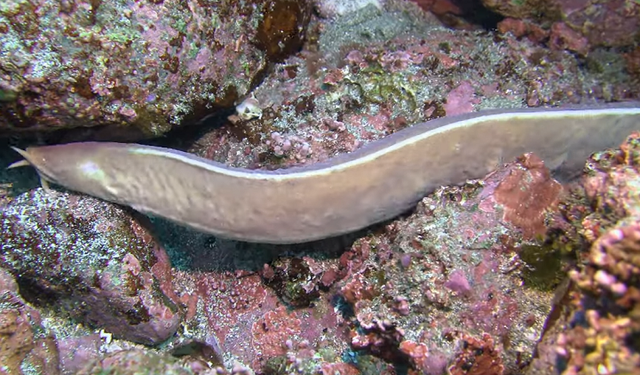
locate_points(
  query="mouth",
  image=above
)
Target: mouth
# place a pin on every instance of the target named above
(30, 160)
(21, 163)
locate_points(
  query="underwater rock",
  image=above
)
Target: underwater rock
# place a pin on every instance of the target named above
(138, 361)
(445, 278)
(23, 340)
(448, 270)
(463, 284)
(298, 281)
(240, 316)
(612, 279)
(611, 23)
(478, 357)
(137, 67)
(91, 261)
(378, 70)
(77, 351)
(594, 324)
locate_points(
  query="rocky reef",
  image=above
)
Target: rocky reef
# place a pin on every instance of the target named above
(137, 68)
(514, 273)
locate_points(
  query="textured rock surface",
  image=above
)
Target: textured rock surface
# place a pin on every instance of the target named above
(599, 22)
(413, 292)
(142, 362)
(595, 322)
(141, 67)
(375, 71)
(461, 285)
(90, 260)
(464, 284)
(24, 342)
(425, 290)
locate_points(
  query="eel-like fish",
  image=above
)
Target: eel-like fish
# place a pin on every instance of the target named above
(379, 181)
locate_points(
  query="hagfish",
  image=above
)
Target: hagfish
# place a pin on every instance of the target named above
(349, 192)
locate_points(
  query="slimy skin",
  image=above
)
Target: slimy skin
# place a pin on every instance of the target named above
(379, 181)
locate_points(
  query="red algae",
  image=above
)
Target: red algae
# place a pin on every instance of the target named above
(479, 358)
(272, 330)
(526, 194)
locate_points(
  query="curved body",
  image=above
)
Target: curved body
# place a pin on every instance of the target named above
(347, 193)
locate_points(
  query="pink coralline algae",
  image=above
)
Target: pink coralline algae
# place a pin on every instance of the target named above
(21, 344)
(144, 66)
(558, 37)
(245, 319)
(272, 330)
(458, 282)
(458, 290)
(599, 23)
(77, 351)
(460, 100)
(479, 357)
(610, 183)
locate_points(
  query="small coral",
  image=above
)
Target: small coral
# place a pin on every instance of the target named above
(611, 279)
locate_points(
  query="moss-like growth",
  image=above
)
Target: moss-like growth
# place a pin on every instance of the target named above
(544, 266)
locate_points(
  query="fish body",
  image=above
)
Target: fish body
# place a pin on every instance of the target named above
(376, 182)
